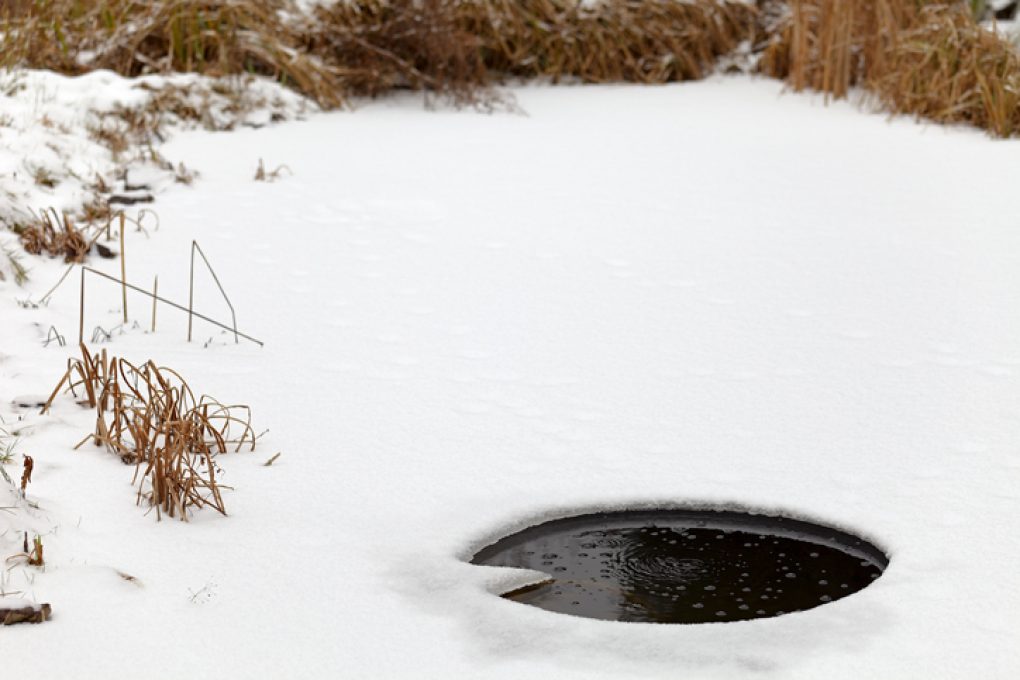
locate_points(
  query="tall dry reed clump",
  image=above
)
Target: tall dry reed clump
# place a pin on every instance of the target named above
(375, 46)
(457, 46)
(369, 47)
(622, 40)
(921, 57)
(924, 57)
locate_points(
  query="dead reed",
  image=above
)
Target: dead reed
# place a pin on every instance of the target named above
(150, 418)
(131, 37)
(459, 49)
(920, 57)
(650, 41)
(924, 57)
(55, 234)
(370, 47)
(35, 555)
(26, 473)
(947, 68)
(14, 262)
(31, 556)
(375, 46)
(264, 175)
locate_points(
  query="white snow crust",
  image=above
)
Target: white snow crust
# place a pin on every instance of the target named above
(48, 126)
(710, 294)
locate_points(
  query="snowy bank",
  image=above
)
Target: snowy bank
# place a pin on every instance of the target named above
(706, 294)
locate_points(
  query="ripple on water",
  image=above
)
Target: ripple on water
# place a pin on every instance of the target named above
(685, 566)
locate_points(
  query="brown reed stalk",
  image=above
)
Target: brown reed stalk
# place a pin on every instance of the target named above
(26, 473)
(149, 416)
(923, 57)
(368, 47)
(131, 37)
(155, 298)
(55, 234)
(616, 40)
(926, 58)
(123, 269)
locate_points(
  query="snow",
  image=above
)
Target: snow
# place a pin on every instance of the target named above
(48, 124)
(711, 294)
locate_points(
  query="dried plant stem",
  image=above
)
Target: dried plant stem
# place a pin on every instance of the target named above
(924, 57)
(52, 290)
(81, 309)
(191, 293)
(929, 58)
(155, 298)
(191, 290)
(150, 418)
(123, 269)
(131, 286)
(55, 234)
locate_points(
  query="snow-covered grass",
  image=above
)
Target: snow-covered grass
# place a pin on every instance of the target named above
(708, 294)
(68, 143)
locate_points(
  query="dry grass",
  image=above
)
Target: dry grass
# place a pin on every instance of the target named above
(54, 234)
(149, 416)
(371, 47)
(264, 175)
(132, 37)
(920, 57)
(26, 473)
(948, 69)
(924, 57)
(375, 46)
(459, 49)
(35, 554)
(219, 105)
(651, 41)
(17, 267)
(32, 556)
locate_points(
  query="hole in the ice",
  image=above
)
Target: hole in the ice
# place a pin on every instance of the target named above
(685, 566)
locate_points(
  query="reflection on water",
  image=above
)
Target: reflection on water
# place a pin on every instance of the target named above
(685, 567)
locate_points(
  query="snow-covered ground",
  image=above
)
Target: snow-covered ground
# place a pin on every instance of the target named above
(52, 153)
(704, 294)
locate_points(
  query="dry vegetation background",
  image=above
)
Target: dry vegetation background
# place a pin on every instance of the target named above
(929, 58)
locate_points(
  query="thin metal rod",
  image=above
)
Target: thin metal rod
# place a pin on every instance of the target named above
(81, 309)
(81, 326)
(123, 268)
(233, 315)
(155, 297)
(191, 290)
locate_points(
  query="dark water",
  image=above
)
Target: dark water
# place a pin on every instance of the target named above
(685, 566)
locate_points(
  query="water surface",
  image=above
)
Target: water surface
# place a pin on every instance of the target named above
(685, 566)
